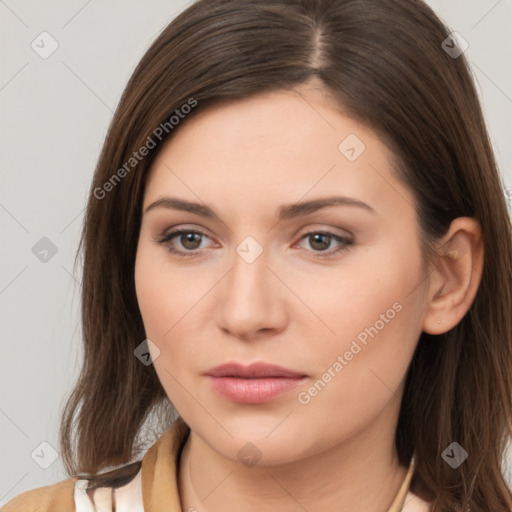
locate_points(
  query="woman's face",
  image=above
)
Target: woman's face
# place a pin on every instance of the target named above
(333, 293)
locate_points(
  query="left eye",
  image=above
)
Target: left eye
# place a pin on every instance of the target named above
(320, 240)
(191, 240)
(188, 239)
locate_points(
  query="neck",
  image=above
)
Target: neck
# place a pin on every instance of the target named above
(360, 473)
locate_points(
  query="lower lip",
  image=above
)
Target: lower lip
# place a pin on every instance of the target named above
(254, 391)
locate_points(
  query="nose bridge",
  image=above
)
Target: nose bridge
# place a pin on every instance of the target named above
(248, 276)
(249, 299)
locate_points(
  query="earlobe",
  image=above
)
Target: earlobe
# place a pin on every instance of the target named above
(456, 276)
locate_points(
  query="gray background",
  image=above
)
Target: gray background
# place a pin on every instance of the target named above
(55, 113)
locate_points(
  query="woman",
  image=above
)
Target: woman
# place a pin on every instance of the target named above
(297, 236)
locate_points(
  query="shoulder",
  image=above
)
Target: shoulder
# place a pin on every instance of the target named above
(119, 489)
(58, 497)
(71, 495)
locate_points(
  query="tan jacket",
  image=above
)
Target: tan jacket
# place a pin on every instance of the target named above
(154, 488)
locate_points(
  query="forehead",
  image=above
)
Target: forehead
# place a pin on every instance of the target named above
(271, 147)
(284, 124)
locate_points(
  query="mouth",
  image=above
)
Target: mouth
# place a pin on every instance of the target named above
(254, 384)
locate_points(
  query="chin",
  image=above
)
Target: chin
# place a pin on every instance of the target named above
(258, 441)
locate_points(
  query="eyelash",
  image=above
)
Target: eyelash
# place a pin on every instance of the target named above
(166, 238)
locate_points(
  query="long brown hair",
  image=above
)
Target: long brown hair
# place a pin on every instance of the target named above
(385, 63)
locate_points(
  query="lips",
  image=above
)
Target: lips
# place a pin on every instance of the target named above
(253, 371)
(253, 384)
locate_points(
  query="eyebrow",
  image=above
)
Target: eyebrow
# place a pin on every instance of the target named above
(285, 211)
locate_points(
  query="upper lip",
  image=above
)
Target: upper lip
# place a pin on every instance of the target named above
(252, 371)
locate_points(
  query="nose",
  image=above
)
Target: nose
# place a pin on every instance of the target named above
(251, 303)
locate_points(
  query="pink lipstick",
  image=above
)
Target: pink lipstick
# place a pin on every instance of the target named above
(254, 384)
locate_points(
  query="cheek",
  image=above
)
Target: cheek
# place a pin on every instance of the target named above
(170, 303)
(164, 296)
(375, 311)
(358, 379)
(163, 303)
(152, 298)
(375, 294)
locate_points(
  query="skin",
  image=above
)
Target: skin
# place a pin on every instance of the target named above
(244, 159)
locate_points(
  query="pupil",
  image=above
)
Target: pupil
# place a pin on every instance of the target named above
(325, 238)
(189, 237)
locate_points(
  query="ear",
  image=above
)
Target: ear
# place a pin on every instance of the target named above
(456, 276)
